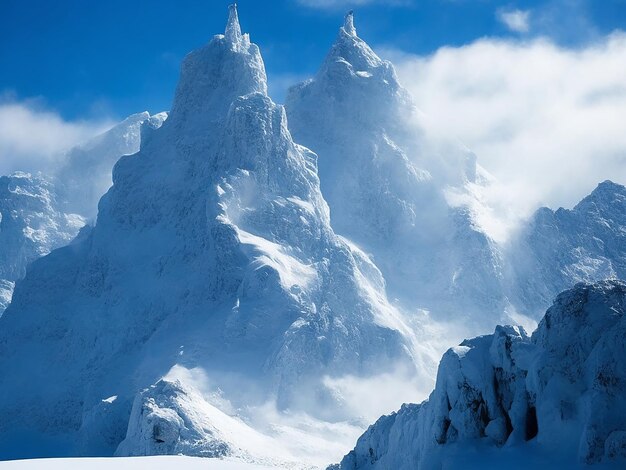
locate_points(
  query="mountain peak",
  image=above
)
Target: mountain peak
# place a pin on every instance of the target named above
(233, 29)
(609, 186)
(348, 25)
(215, 75)
(606, 196)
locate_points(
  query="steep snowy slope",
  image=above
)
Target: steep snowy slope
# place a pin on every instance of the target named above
(39, 213)
(559, 248)
(398, 189)
(212, 251)
(554, 400)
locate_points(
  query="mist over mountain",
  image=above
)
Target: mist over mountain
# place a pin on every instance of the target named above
(212, 250)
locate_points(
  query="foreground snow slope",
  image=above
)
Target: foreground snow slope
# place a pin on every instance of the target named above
(555, 399)
(395, 187)
(212, 252)
(137, 463)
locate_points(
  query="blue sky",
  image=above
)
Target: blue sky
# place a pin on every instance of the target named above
(84, 58)
(536, 88)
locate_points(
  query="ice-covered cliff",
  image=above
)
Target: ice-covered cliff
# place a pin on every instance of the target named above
(558, 249)
(212, 251)
(554, 399)
(395, 187)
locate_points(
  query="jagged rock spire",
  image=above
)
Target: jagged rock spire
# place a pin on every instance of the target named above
(233, 29)
(348, 25)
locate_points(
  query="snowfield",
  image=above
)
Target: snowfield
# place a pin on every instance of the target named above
(135, 463)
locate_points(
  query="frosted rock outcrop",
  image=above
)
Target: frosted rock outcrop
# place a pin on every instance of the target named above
(31, 225)
(555, 398)
(39, 213)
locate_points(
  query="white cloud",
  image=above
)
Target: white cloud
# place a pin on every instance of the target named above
(515, 20)
(32, 138)
(549, 122)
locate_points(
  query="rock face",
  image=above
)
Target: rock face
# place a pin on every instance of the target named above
(39, 213)
(559, 248)
(397, 189)
(558, 394)
(212, 250)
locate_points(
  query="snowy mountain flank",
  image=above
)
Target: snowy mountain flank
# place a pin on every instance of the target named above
(554, 399)
(31, 225)
(212, 251)
(39, 213)
(396, 188)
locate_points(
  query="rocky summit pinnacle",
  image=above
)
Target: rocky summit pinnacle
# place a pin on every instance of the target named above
(349, 24)
(233, 29)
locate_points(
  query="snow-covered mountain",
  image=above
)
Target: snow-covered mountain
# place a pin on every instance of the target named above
(212, 252)
(398, 189)
(39, 213)
(558, 249)
(552, 400)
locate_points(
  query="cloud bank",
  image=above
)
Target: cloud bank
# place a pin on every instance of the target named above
(33, 139)
(548, 121)
(516, 20)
